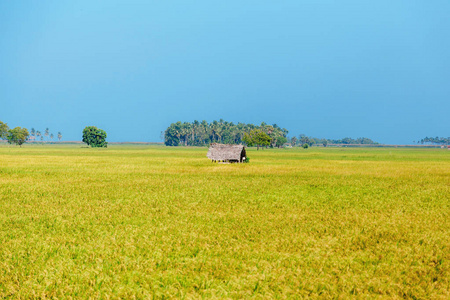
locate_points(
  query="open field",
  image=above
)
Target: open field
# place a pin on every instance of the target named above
(146, 221)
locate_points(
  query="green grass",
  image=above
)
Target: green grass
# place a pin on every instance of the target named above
(146, 222)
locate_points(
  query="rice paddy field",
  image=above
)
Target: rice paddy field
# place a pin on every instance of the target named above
(155, 222)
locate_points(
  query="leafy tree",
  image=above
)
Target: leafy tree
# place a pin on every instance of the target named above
(18, 136)
(3, 130)
(171, 137)
(59, 136)
(257, 137)
(305, 146)
(94, 137)
(262, 139)
(280, 141)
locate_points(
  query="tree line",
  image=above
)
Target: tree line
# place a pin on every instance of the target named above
(435, 140)
(203, 133)
(265, 135)
(302, 140)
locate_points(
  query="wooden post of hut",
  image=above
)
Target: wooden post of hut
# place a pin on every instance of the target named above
(226, 153)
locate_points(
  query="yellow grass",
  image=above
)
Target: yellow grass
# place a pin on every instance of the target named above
(142, 222)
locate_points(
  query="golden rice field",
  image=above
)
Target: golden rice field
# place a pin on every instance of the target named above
(155, 222)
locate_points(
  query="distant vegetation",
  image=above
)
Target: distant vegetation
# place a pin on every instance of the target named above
(435, 140)
(311, 141)
(204, 133)
(20, 135)
(36, 134)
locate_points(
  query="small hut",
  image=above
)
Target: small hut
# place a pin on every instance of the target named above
(226, 153)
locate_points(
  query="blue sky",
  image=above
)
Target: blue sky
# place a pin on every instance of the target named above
(379, 69)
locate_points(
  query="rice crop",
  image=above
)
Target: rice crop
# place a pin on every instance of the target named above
(159, 222)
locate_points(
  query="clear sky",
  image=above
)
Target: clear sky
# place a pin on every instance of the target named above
(329, 69)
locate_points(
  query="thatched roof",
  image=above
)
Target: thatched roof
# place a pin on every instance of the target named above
(226, 152)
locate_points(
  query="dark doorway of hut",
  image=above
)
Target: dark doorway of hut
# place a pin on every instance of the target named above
(226, 154)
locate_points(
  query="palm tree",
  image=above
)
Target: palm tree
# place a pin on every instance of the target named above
(59, 136)
(47, 132)
(293, 141)
(214, 128)
(51, 136)
(204, 132)
(195, 131)
(32, 134)
(185, 131)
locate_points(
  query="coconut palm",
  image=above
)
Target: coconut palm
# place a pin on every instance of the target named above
(47, 132)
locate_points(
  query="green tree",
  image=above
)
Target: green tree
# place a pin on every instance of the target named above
(94, 137)
(18, 136)
(257, 137)
(171, 136)
(280, 141)
(3, 130)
